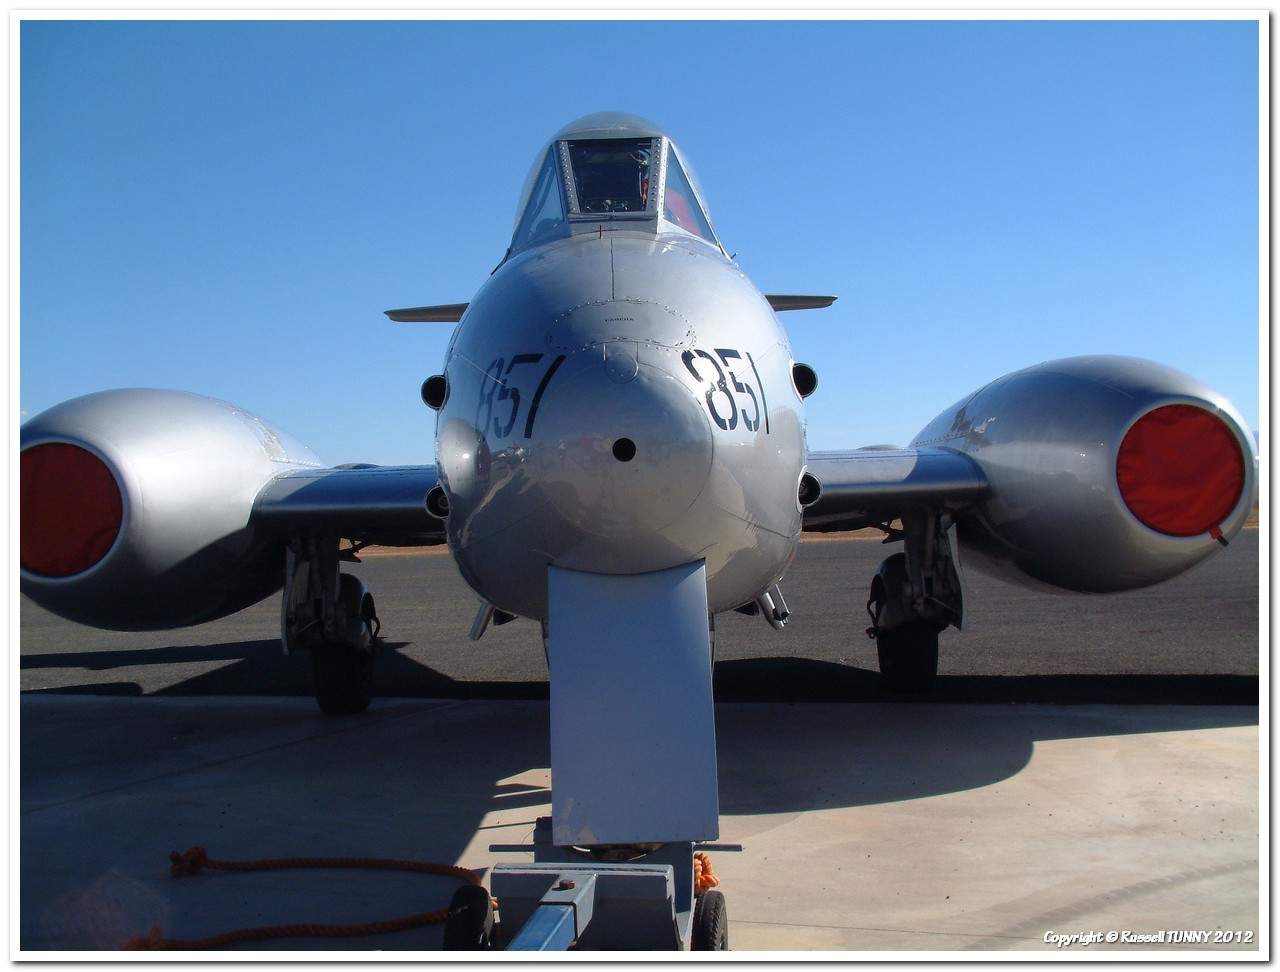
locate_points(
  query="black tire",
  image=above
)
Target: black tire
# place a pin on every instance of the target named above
(469, 927)
(342, 670)
(343, 679)
(710, 931)
(909, 657)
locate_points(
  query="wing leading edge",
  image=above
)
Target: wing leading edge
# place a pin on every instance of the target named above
(385, 504)
(865, 487)
(433, 314)
(452, 313)
(377, 504)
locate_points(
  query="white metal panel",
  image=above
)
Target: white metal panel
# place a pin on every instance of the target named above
(633, 752)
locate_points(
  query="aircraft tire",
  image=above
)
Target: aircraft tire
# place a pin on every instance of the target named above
(343, 678)
(469, 926)
(710, 932)
(909, 657)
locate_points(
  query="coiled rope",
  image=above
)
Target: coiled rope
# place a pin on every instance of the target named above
(703, 877)
(196, 860)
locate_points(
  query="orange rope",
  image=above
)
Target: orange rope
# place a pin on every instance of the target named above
(195, 860)
(703, 877)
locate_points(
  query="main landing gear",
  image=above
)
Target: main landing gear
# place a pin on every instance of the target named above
(332, 616)
(915, 595)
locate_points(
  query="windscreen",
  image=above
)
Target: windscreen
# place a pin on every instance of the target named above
(680, 205)
(612, 176)
(544, 210)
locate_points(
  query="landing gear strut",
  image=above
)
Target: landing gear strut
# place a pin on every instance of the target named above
(915, 595)
(331, 615)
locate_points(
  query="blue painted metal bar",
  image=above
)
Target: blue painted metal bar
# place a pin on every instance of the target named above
(638, 901)
(562, 914)
(551, 929)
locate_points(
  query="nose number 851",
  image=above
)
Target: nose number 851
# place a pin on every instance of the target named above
(725, 389)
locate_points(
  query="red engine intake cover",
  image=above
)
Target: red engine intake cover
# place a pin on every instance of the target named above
(1181, 471)
(71, 509)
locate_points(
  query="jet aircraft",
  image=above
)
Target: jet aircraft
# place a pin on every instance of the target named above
(621, 456)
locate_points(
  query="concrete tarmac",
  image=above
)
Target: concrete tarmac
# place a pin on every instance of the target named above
(876, 828)
(884, 827)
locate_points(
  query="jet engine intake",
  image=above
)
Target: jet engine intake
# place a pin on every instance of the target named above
(135, 508)
(1107, 473)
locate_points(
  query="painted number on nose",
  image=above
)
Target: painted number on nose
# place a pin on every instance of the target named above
(500, 400)
(729, 397)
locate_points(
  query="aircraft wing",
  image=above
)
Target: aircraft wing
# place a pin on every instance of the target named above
(863, 487)
(452, 313)
(789, 302)
(433, 314)
(377, 504)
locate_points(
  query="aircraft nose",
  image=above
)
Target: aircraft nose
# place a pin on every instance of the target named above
(624, 448)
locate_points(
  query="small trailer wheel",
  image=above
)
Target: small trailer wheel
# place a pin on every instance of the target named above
(469, 926)
(710, 931)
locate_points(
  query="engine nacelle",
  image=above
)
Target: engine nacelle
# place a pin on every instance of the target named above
(136, 506)
(1107, 473)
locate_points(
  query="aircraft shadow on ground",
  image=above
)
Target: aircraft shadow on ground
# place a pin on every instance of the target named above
(259, 667)
(807, 680)
(792, 759)
(254, 780)
(427, 776)
(921, 757)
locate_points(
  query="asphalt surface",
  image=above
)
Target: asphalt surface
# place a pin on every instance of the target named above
(1193, 640)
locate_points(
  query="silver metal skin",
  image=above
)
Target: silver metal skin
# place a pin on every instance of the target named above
(862, 487)
(1046, 439)
(188, 469)
(621, 443)
(376, 504)
(620, 399)
(619, 402)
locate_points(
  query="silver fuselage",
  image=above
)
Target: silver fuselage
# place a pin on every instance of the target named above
(619, 402)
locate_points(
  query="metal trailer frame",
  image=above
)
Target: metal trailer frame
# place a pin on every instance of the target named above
(569, 898)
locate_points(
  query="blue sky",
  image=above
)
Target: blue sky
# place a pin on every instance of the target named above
(228, 206)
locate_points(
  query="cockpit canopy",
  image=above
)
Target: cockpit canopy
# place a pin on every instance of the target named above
(609, 168)
(611, 176)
